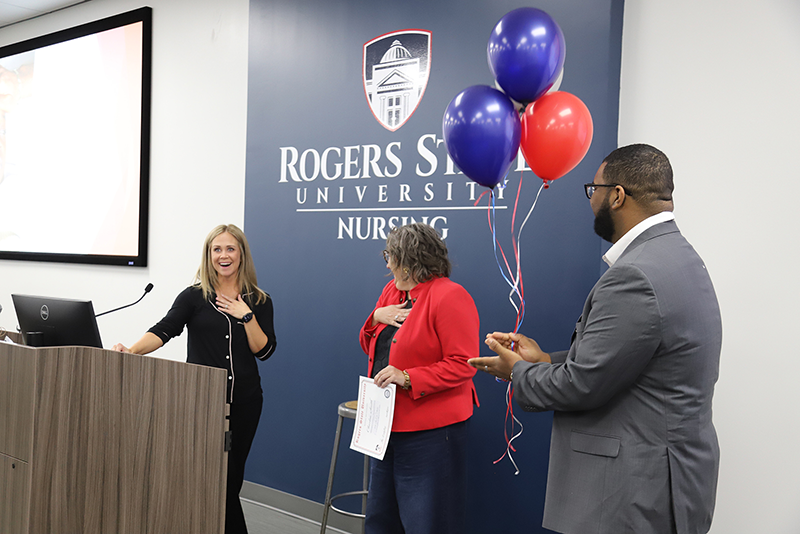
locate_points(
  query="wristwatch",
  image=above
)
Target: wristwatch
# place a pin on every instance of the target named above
(246, 317)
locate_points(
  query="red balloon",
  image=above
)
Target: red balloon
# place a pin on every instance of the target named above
(556, 134)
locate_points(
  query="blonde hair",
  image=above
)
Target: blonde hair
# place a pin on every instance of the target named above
(207, 278)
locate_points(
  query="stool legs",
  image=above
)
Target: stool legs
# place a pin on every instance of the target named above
(366, 491)
(329, 499)
(327, 507)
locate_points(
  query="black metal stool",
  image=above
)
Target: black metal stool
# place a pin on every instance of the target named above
(348, 410)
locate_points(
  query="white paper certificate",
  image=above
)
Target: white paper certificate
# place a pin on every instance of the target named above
(373, 418)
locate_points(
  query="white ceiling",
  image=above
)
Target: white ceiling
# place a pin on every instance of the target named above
(12, 11)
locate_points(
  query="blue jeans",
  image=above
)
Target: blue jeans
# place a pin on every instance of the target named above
(420, 486)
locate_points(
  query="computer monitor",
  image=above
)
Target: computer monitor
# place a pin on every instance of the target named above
(62, 322)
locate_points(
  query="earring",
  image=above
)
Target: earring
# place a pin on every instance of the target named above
(405, 270)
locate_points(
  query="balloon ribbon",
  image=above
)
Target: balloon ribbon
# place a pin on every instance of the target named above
(515, 282)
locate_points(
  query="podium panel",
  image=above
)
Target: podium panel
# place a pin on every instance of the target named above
(14, 489)
(114, 442)
(17, 378)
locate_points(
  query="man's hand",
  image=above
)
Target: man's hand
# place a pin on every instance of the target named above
(510, 349)
(525, 347)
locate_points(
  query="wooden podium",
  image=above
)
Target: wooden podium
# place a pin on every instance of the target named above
(96, 441)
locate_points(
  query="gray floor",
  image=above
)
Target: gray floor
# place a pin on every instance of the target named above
(263, 519)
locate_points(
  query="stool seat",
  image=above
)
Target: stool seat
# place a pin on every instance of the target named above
(346, 410)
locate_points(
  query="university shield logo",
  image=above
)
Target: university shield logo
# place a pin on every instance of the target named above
(395, 73)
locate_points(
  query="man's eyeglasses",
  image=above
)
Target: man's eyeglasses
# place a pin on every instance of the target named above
(386, 256)
(590, 188)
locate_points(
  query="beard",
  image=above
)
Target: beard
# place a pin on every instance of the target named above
(603, 223)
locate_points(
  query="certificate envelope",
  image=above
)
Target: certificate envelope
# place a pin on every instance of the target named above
(373, 418)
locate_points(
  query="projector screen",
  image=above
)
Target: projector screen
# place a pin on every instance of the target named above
(74, 143)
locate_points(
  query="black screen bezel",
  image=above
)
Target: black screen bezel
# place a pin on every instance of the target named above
(145, 16)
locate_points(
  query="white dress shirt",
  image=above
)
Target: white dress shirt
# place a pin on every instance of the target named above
(613, 254)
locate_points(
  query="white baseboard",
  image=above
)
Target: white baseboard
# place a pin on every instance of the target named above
(299, 507)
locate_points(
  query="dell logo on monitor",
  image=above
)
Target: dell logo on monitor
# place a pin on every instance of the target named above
(44, 312)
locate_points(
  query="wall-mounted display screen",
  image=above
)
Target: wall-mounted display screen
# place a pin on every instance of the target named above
(75, 143)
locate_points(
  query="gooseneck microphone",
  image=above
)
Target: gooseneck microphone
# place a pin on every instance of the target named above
(146, 291)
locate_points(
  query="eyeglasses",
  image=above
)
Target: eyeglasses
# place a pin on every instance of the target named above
(386, 256)
(590, 188)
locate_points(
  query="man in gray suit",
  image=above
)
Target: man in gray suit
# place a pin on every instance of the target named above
(633, 447)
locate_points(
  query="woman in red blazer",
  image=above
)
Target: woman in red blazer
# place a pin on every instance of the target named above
(420, 335)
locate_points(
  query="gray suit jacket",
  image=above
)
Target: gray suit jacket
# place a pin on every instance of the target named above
(633, 448)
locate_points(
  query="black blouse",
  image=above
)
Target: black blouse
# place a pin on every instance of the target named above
(384, 343)
(214, 336)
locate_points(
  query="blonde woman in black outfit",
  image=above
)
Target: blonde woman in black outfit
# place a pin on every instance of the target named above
(229, 320)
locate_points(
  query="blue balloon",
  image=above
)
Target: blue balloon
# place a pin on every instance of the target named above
(481, 133)
(526, 53)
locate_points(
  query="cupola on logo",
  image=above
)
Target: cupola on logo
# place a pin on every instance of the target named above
(395, 73)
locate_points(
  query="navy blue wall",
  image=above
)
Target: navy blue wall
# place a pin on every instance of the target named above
(306, 92)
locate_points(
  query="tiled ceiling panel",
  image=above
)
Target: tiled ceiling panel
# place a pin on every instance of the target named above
(13, 11)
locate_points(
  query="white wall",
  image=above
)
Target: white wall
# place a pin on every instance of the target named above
(715, 85)
(199, 113)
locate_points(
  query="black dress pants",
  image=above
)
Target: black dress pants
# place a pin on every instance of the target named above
(243, 425)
